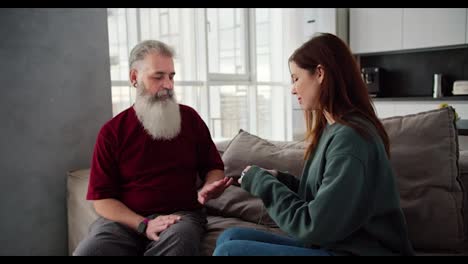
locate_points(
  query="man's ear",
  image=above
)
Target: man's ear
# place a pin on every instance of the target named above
(320, 71)
(133, 77)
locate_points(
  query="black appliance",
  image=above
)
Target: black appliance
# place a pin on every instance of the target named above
(372, 78)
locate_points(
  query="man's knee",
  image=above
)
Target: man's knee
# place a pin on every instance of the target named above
(93, 246)
(107, 238)
(88, 247)
(185, 231)
(179, 240)
(183, 236)
(174, 245)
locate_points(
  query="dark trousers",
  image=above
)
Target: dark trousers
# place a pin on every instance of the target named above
(108, 238)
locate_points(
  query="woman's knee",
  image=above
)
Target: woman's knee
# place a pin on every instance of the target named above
(228, 248)
(233, 233)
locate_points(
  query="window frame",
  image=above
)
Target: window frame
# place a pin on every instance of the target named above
(208, 79)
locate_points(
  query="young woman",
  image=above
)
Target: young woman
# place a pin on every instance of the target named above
(346, 202)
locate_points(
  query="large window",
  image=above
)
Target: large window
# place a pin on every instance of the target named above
(231, 64)
(227, 35)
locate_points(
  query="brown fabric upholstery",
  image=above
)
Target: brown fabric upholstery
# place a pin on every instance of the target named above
(235, 202)
(463, 163)
(424, 154)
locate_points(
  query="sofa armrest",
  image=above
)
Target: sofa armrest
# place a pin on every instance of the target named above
(80, 211)
(463, 164)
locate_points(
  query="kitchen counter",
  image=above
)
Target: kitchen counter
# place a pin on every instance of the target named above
(422, 98)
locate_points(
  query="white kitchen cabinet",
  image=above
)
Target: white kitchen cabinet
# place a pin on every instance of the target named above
(375, 29)
(392, 29)
(325, 20)
(310, 22)
(433, 27)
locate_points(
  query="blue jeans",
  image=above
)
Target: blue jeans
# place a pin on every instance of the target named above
(251, 242)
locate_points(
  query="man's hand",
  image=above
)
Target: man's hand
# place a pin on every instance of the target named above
(213, 190)
(159, 224)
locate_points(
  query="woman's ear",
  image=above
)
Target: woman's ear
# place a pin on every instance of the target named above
(320, 71)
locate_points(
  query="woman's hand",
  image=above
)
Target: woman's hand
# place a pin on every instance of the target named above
(243, 173)
(272, 172)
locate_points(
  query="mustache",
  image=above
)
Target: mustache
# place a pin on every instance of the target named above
(165, 93)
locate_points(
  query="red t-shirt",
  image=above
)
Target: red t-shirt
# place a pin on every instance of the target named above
(152, 176)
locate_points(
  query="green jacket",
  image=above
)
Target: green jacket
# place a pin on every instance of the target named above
(346, 201)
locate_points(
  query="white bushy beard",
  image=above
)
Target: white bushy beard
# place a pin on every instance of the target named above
(159, 114)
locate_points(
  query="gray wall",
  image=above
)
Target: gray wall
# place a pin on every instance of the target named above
(55, 95)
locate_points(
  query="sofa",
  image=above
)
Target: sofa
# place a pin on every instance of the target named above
(432, 177)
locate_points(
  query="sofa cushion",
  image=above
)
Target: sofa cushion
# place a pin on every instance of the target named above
(235, 202)
(424, 155)
(246, 149)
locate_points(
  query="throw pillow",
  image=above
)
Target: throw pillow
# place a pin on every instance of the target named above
(424, 155)
(221, 146)
(246, 149)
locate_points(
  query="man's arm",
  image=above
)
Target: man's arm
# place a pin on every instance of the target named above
(115, 210)
(213, 175)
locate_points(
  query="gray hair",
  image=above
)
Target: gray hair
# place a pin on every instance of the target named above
(143, 48)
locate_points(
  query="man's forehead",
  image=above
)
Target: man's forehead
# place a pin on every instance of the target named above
(156, 68)
(160, 71)
(158, 62)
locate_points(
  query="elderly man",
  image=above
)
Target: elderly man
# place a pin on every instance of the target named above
(146, 160)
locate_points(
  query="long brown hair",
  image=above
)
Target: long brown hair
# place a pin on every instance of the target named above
(342, 92)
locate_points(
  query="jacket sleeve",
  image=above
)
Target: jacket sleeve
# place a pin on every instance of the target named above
(339, 208)
(291, 181)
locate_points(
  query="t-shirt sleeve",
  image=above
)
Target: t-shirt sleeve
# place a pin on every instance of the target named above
(207, 153)
(103, 180)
